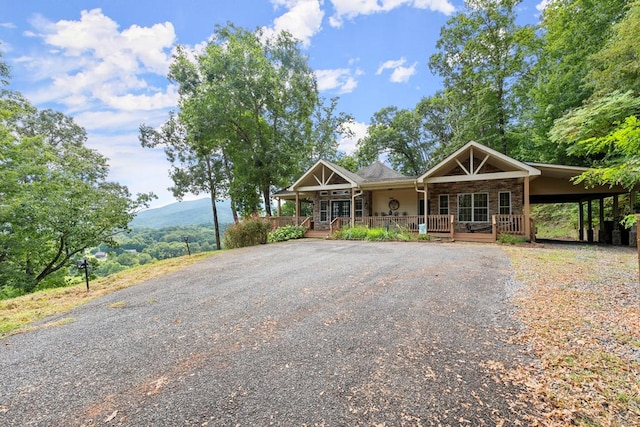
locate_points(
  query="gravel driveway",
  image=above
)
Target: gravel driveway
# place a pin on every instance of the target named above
(300, 333)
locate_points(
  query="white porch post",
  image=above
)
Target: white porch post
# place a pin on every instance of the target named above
(297, 208)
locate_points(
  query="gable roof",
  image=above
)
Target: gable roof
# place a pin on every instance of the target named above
(326, 175)
(474, 162)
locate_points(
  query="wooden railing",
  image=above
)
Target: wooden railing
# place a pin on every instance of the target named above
(335, 225)
(438, 223)
(306, 223)
(510, 224)
(281, 221)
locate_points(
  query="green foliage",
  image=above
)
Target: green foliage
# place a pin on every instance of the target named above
(288, 232)
(607, 130)
(616, 65)
(253, 98)
(571, 32)
(482, 53)
(509, 239)
(401, 135)
(372, 234)
(56, 200)
(248, 232)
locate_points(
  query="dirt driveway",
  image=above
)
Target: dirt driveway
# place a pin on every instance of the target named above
(300, 333)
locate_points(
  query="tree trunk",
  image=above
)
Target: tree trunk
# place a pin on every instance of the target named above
(214, 209)
(267, 200)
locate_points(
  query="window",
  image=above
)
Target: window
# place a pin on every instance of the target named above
(480, 207)
(340, 209)
(444, 204)
(504, 207)
(473, 207)
(358, 208)
(323, 210)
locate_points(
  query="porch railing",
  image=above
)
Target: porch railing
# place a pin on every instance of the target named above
(281, 221)
(510, 224)
(438, 223)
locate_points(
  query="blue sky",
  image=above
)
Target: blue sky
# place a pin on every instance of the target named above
(105, 62)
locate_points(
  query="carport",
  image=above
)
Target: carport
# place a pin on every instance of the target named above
(554, 185)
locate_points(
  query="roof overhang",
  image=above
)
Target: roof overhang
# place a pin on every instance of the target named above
(510, 168)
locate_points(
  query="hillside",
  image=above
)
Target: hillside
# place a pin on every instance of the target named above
(192, 212)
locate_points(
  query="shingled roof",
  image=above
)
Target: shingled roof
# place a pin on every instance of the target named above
(378, 171)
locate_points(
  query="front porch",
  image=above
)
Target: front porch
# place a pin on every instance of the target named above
(440, 226)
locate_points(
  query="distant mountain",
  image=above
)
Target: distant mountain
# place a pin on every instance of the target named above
(194, 212)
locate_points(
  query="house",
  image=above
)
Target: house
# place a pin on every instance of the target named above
(474, 194)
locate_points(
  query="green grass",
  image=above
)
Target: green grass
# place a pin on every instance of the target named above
(16, 314)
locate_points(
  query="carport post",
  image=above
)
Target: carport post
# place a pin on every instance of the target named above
(638, 244)
(589, 221)
(580, 221)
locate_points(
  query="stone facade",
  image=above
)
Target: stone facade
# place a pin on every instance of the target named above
(492, 187)
(329, 196)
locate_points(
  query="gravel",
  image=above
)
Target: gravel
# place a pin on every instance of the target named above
(302, 333)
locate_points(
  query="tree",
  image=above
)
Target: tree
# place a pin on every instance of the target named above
(617, 66)
(197, 164)
(327, 128)
(572, 31)
(55, 201)
(263, 94)
(398, 133)
(482, 54)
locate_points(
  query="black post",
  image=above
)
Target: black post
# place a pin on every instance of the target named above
(86, 274)
(186, 240)
(83, 264)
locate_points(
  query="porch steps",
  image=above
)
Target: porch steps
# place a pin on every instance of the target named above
(316, 234)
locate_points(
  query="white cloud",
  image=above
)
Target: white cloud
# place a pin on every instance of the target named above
(92, 63)
(350, 9)
(8, 25)
(350, 144)
(303, 19)
(343, 80)
(543, 4)
(400, 73)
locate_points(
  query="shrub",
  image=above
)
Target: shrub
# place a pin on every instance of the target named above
(511, 239)
(249, 232)
(372, 234)
(287, 232)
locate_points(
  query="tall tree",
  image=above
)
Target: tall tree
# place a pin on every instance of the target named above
(328, 127)
(400, 135)
(571, 31)
(264, 93)
(197, 165)
(482, 52)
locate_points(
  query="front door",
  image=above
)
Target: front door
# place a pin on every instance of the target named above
(340, 209)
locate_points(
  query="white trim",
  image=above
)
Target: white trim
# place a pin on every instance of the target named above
(523, 167)
(480, 177)
(331, 218)
(473, 219)
(510, 202)
(326, 187)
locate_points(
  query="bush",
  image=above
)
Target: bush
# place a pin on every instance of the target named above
(372, 234)
(287, 232)
(510, 239)
(249, 232)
